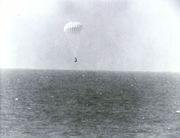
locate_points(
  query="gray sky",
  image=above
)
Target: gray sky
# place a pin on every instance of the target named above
(128, 35)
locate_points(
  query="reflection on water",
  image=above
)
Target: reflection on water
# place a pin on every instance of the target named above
(89, 104)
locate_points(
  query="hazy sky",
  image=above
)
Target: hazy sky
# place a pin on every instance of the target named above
(132, 35)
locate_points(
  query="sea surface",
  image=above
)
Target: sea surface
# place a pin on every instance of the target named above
(85, 104)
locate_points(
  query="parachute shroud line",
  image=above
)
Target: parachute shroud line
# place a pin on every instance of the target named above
(72, 32)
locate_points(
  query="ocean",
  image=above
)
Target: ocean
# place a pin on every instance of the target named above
(89, 104)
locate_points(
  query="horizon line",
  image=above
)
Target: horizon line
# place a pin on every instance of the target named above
(90, 70)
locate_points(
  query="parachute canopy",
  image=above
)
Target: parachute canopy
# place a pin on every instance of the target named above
(73, 27)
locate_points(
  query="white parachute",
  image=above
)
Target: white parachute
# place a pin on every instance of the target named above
(73, 27)
(72, 31)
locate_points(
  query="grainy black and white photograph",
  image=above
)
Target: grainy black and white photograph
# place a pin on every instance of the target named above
(89, 68)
